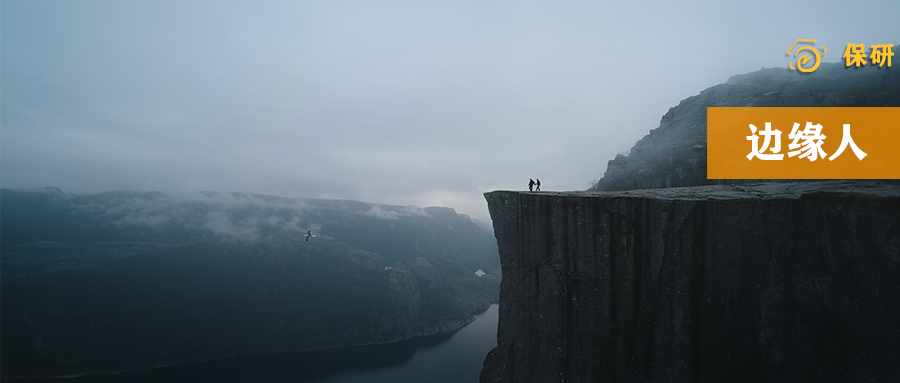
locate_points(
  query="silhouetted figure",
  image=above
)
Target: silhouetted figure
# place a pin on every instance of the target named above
(530, 184)
(538, 183)
(308, 235)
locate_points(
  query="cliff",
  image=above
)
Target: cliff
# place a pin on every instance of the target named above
(674, 154)
(784, 282)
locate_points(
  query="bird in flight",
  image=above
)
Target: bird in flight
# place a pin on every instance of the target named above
(308, 235)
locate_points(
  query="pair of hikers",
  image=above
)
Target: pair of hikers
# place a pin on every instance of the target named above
(531, 184)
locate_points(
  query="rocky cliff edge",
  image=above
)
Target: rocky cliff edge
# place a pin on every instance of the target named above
(781, 282)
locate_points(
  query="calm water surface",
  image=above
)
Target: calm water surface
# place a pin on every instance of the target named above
(452, 358)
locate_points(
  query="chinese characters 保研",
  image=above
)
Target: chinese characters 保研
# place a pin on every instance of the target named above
(856, 54)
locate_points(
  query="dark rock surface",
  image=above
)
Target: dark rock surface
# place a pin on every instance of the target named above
(786, 282)
(674, 154)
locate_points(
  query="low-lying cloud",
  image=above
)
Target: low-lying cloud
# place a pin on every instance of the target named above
(238, 215)
(394, 213)
(244, 216)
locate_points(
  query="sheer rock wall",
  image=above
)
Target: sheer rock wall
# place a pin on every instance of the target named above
(782, 282)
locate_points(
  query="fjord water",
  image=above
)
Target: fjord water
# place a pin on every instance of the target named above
(454, 357)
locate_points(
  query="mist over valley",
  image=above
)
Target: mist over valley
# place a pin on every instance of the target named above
(125, 280)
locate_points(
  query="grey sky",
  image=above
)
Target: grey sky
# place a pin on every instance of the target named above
(409, 103)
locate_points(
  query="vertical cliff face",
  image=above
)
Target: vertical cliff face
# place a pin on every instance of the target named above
(753, 283)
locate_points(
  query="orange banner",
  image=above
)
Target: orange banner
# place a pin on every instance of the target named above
(803, 143)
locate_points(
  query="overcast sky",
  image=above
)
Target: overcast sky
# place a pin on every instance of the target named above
(410, 103)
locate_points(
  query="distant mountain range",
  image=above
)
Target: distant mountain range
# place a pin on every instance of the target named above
(126, 280)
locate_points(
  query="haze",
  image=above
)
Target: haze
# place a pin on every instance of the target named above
(408, 103)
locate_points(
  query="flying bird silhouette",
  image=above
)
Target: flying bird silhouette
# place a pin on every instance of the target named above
(308, 235)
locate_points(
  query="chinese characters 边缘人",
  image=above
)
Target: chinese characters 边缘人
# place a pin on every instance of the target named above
(768, 133)
(807, 143)
(813, 139)
(847, 140)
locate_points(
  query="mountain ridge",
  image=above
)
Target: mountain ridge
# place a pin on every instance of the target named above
(127, 280)
(674, 153)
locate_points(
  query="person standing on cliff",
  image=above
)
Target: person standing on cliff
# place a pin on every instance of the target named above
(538, 183)
(530, 184)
